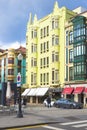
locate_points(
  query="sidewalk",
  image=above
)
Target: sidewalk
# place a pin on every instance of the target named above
(31, 116)
(34, 115)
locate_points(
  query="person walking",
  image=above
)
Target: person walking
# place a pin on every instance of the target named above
(49, 101)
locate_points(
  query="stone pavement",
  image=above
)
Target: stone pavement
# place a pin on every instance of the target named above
(33, 115)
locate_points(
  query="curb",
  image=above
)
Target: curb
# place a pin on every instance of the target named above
(53, 122)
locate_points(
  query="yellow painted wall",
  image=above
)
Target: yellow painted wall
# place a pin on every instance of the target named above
(62, 14)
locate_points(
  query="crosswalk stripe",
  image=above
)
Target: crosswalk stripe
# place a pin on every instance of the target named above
(75, 122)
(81, 125)
(52, 128)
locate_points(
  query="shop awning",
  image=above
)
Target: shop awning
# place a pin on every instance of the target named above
(25, 92)
(31, 92)
(85, 90)
(42, 91)
(78, 90)
(37, 91)
(67, 90)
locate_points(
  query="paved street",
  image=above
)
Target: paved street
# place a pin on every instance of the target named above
(45, 117)
(81, 125)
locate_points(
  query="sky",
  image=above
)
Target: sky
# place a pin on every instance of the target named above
(14, 16)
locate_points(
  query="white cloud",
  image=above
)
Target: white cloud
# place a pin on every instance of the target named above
(14, 45)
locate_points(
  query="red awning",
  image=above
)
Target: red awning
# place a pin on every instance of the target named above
(85, 90)
(67, 90)
(78, 90)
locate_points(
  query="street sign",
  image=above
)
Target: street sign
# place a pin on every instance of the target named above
(19, 80)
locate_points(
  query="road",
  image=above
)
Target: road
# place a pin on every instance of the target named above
(79, 124)
(43, 118)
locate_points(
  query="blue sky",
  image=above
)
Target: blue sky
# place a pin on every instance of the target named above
(14, 15)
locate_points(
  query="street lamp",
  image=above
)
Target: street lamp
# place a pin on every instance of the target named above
(19, 113)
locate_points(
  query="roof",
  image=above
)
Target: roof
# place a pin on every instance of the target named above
(2, 50)
(21, 49)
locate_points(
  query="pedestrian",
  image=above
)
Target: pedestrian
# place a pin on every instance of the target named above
(24, 101)
(49, 101)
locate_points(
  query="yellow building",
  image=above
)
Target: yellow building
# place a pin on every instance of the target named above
(45, 49)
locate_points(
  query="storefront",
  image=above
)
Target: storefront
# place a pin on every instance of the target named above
(35, 95)
(76, 92)
(68, 93)
(85, 97)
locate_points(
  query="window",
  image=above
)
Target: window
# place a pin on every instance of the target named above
(54, 23)
(71, 37)
(44, 47)
(10, 60)
(44, 62)
(55, 40)
(71, 74)
(47, 30)
(66, 55)
(55, 76)
(79, 32)
(79, 50)
(33, 78)
(41, 63)
(41, 47)
(70, 55)
(44, 78)
(44, 32)
(33, 62)
(55, 56)
(79, 70)
(47, 78)
(41, 79)
(33, 33)
(10, 71)
(41, 33)
(47, 61)
(47, 45)
(67, 38)
(33, 48)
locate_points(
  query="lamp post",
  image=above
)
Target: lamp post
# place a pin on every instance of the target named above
(19, 113)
